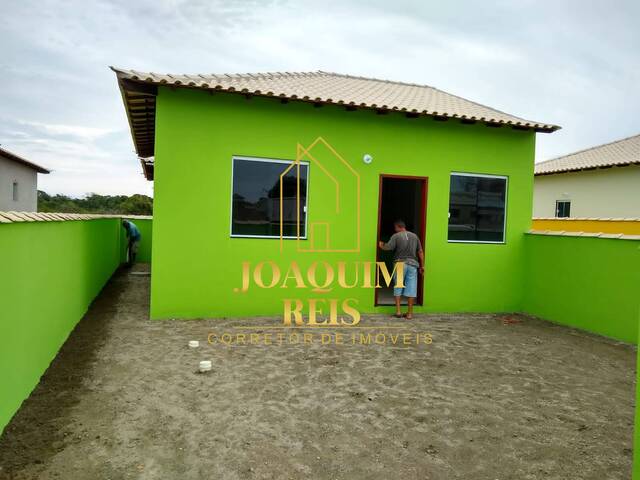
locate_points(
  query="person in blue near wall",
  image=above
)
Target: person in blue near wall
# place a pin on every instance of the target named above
(133, 238)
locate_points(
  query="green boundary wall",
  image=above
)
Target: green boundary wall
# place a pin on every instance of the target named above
(51, 272)
(588, 283)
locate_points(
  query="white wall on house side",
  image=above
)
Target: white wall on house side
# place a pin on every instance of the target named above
(611, 192)
(27, 179)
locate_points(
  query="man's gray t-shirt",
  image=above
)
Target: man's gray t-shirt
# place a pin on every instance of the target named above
(405, 246)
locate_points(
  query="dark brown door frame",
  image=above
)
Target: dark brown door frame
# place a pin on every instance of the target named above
(421, 233)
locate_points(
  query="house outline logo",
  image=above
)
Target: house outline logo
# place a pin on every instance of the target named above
(302, 152)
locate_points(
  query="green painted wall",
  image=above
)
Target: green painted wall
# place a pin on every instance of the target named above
(197, 135)
(144, 249)
(587, 283)
(51, 272)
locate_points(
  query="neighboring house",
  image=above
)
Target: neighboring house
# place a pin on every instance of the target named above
(18, 183)
(315, 167)
(602, 181)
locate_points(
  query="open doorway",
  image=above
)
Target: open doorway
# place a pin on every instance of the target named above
(400, 198)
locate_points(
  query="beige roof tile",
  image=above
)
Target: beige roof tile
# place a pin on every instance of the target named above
(611, 236)
(30, 215)
(15, 217)
(139, 90)
(619, 153)
(12, 217)
(21, 216)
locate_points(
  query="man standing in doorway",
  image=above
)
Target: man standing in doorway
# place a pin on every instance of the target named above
(133, 239)
(406, 248)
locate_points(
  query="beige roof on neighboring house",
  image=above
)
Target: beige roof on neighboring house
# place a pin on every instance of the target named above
(139, 89)
(615, 154)
(18, 159)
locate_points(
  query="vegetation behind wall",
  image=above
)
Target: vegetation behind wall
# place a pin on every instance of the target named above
(94, 203)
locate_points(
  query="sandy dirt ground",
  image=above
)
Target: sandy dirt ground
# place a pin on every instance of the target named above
(487, 399)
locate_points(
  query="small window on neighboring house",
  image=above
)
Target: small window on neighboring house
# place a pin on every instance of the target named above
(15, 191)
(477, 208)
(256, 192)
(563, 208)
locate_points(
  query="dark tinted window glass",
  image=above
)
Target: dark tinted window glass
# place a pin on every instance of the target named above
(256, 198)
(477, 208)
(563, 209)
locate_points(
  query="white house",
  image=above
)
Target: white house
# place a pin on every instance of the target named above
(598, 182)
(18, 183)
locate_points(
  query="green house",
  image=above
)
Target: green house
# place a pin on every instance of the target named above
(293, 178)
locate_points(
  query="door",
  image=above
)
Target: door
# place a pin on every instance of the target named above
(400, 198)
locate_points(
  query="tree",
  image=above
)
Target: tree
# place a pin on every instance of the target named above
(94, 203)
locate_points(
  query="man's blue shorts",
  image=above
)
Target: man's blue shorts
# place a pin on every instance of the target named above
(410, 283)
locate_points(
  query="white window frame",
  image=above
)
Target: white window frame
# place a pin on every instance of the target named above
(506, 202)
(267, 160)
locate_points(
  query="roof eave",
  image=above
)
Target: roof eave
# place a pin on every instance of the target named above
(147, 168)
(27, 163)
(584, 169)
(132, 84)
(144, 145)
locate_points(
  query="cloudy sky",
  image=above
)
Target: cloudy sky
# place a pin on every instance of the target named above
(573, 63)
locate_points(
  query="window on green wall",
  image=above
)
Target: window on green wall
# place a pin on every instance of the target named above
(477, 208)
(255, 205)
